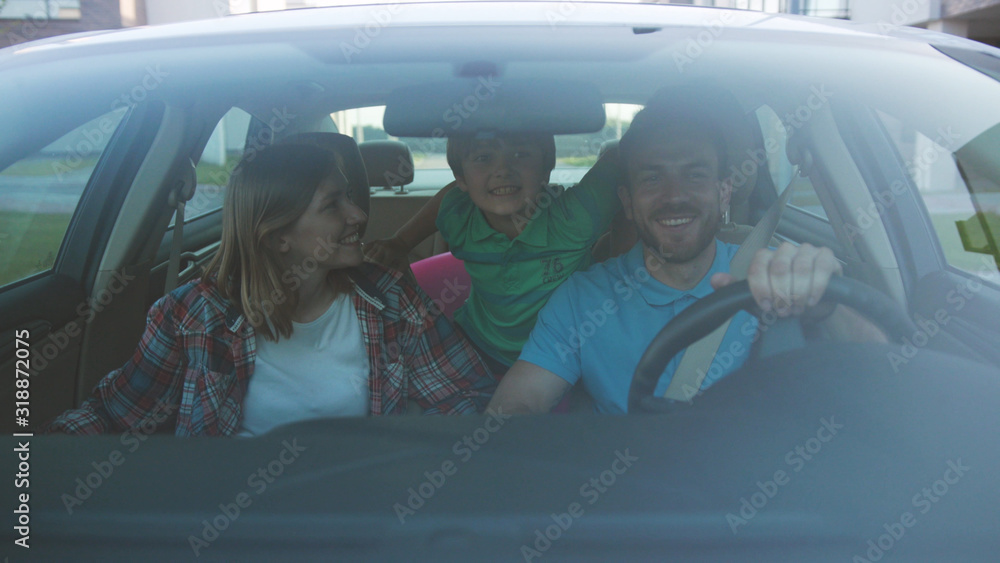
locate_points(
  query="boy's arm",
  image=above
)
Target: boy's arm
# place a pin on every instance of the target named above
(596, 196)
(394, 252)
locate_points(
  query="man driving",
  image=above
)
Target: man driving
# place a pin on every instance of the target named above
(597, 325)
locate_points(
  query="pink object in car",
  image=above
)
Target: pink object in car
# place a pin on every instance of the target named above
(444, 279)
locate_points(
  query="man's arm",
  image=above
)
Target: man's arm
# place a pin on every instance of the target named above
(394, 252)
(528, 389)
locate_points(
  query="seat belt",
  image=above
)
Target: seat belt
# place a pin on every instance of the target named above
(178, 200)
(697, 358)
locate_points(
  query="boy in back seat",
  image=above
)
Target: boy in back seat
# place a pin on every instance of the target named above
(518, 238)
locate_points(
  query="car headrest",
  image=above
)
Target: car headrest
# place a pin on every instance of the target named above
(349, 160)
(607, 146)
(745, 159)
(389, 163)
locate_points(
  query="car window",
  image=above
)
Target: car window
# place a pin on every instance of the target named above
(931, 165)
(39, 193)
(575, 154)
(221, 155)
(775, 133)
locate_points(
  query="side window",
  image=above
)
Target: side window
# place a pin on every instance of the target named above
(221, 155)
(776, 135)
(39, 193)
(931, 165)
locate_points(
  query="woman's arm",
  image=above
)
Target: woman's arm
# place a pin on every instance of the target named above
(446, 374)
(141, 390)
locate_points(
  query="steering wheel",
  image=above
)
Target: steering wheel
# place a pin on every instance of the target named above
(704, 316)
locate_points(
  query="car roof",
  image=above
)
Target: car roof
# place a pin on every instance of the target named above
(369, 18)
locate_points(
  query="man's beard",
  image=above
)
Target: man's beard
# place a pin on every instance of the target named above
(669, 255)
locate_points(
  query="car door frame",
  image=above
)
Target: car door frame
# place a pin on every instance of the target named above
(55, 305)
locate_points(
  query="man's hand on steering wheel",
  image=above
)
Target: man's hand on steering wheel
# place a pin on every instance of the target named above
(789, 280)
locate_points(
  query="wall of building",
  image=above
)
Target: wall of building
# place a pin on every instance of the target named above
(94, 14)
(172, 11)
(895, 12)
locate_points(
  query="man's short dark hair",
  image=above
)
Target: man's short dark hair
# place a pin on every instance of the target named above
(658, 120)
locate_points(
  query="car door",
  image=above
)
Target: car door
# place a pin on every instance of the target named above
(61, 185)
(920, 196)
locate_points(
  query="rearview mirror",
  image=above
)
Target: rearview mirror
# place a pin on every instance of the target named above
(492, 104)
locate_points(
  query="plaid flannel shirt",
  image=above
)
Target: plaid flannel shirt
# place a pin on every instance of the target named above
(197, 355)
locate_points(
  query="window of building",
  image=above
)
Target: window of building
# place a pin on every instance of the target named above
(40, 10)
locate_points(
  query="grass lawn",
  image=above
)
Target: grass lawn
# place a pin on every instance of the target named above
(48, 166)
(29, 243)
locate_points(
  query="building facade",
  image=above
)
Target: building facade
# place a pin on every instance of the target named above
(26, 20)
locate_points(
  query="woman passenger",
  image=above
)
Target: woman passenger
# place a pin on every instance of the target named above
(288, 323)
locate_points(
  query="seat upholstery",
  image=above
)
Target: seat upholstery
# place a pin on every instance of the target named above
(389, 163)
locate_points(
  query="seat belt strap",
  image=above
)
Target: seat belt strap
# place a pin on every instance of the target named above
(179, 198)
(697, 358)
(174, 265)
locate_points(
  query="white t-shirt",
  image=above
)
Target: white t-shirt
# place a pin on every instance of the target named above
(321, 371)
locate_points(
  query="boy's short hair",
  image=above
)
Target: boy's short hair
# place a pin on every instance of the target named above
(459, 147)
(654, 120)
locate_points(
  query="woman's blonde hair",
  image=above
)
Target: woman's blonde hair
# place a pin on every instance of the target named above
(268, 191)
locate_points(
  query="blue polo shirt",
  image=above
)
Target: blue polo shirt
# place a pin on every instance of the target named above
(598, 324)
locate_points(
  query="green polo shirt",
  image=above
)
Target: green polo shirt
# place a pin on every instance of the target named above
(513, 279)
